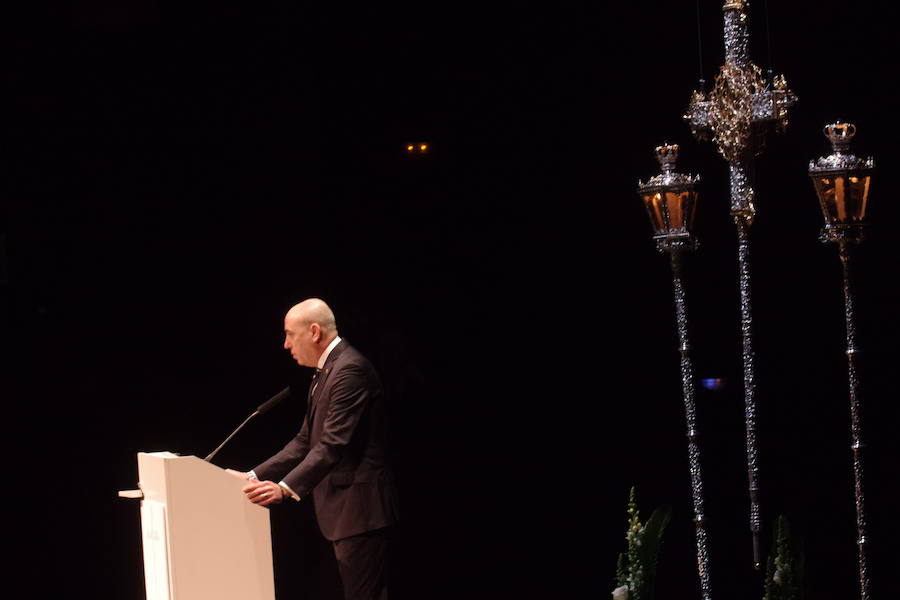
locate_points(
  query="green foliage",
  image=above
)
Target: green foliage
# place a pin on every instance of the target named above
(784, 575)
(636, 567)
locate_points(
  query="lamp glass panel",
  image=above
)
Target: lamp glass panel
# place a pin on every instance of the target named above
(653, 202)
(825, 191)
(692, 210)
(843, 197)
(840, 200)
(857, 187)
(676, 210)
(680, 209)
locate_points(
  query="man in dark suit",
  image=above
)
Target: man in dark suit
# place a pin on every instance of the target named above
(339, 456)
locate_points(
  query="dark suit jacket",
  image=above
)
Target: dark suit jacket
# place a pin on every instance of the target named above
(340, 453)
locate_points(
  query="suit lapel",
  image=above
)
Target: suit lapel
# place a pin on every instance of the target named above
(316, 393)
(318, 386)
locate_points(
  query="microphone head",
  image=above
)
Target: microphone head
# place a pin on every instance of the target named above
(274, 400)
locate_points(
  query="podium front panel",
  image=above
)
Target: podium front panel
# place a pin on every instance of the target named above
(214, 543)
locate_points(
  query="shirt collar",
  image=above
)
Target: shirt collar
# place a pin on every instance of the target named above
(328, 349)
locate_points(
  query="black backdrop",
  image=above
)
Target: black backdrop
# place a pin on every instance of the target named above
(177, 178)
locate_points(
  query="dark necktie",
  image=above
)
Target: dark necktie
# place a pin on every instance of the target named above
(314, 382)
(310, 401)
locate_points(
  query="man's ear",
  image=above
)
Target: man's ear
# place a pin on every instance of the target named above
(316, 332)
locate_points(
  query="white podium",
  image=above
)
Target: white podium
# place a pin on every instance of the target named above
(202, 538)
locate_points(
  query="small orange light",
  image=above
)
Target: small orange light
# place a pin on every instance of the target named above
(410, 148)
(423, 147)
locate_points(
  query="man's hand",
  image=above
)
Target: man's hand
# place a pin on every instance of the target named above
(239, 474)
(264, 493)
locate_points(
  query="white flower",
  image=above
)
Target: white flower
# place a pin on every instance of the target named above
(620, 593)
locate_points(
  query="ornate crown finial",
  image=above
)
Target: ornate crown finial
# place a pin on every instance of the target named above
(840, 134)
(667, 154)
(740, 5)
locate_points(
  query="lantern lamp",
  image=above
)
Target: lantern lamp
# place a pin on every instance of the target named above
(671, 201)
(842, 183)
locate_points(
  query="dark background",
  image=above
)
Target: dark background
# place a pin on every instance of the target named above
(176, 178)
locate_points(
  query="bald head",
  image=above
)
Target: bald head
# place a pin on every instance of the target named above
(316, 311)
(308, 329)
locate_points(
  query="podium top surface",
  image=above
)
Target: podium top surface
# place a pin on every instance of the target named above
(163, 454)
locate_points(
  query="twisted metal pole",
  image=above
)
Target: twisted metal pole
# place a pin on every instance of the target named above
(690, 413)
(855, 422)
(743, 231)
(732, 115)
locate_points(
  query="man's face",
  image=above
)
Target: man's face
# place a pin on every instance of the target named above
(299, 339)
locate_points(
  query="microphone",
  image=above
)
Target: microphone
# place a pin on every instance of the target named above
(273, 401)
(263, 408)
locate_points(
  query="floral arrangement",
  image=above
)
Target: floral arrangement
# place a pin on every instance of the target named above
(784, 575)
(636, 567)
